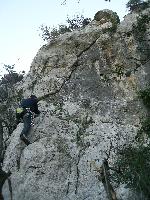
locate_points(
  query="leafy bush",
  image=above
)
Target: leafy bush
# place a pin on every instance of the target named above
(145, 124)
(50, 34)
(11, 77)
(140, 28)
(144, 130)
(139, 31)
(137, 4)
(134, 161)
(8, 98)
(145, 96)
(135, 164)
(77, 22)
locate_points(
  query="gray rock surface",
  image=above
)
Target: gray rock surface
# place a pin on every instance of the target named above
(88, 103)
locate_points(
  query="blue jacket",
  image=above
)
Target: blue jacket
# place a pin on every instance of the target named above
(30, 103)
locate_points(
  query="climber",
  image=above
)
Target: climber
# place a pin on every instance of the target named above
(29, 108)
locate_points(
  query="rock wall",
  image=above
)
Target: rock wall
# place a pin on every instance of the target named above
(87, 81)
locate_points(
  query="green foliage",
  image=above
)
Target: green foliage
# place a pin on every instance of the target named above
(8, 97)
(134, 161)
(144, 130)
(139, 31)
(145, 96)
(77, 22)
(115, 21)
(137, 4)
(50, 34)
(3, 93)
(12, 76)
(112, 17)
(135, 164)
(145, 124)
(8, 80)
(140, 28)
(132, 3)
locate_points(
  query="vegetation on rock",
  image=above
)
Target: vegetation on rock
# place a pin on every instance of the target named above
(50, 34)
(140, 28)
(7, 100)
(137, 5)
(134, 163)
(134, 159)
(7, 117)
(108, 16)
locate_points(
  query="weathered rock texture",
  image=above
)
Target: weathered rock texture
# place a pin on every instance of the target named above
(87, 81)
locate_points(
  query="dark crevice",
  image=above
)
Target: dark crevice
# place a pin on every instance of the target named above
(18, 163)
(3, 177)
(68, 184)
(78, 172)
(10, 188)
(34, 167)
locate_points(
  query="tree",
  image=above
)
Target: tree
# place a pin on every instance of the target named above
(8, 98)
(134, 163)
(50, 34)
(12, 76)
(77, 22)
(7, 113)
(134, 159)
(137, 4)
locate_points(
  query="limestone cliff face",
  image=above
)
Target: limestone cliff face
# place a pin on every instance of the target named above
(87, 81)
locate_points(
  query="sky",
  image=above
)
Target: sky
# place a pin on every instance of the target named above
(20, 21)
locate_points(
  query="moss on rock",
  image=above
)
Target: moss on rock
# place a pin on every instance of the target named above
(107, 16)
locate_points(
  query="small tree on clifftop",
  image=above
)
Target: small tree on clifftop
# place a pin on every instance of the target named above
(50, 34)
(137, 4)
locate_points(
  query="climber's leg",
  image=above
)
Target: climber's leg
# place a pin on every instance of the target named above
(27, 118)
